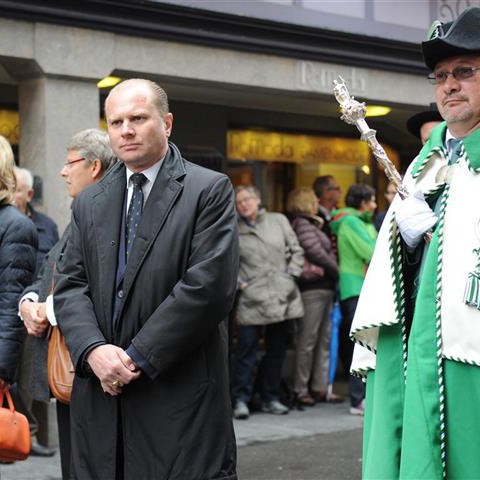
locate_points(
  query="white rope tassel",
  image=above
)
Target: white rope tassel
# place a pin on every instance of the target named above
(438, 326)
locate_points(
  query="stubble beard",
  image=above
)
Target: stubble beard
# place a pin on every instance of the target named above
(456, 117)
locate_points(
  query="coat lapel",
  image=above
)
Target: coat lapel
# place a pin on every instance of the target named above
(107, 210)
(163, 195)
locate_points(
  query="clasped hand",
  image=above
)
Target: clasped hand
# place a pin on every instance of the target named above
(34, 317)
(113, 367)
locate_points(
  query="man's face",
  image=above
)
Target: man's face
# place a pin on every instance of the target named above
(23, 194)
(332, 192)
(138, 133)
(368, 205)
(426, 130)
(390, 193)
(459, 100)
(78, 173)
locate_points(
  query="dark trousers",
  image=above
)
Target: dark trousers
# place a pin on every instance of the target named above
(120, 455)
(276, 337)
(356, 386)
(63, 421)
(35, 411)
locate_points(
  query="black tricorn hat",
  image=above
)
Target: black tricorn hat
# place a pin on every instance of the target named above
(415, 122)
(453, 38)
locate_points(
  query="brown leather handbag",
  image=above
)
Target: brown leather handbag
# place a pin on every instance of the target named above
(59, 366)
(14, 430)
(59, 363)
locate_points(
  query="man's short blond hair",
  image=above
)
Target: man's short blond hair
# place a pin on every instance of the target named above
(160, 98)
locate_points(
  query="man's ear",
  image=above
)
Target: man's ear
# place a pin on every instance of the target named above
(96, 169)
(168, 119)
(30, 195)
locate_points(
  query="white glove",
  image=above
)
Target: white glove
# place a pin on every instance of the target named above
(414, 217)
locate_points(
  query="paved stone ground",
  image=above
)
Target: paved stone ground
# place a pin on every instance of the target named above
(329, 456)
(321, 442)
(321, 419)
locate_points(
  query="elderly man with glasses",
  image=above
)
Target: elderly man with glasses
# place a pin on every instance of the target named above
(89, 156)
(419, 307)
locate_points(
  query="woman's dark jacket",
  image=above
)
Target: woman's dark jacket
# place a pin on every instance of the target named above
(318, 250)
(18, 249)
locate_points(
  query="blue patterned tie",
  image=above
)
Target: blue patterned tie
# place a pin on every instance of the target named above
(134, 210)
(455, 148)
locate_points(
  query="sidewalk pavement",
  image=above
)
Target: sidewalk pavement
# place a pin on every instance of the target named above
(324, 418)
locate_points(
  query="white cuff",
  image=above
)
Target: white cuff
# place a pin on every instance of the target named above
(32, 296)
(49, 310)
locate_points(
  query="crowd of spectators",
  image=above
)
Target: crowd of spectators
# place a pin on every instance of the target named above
(293, 269)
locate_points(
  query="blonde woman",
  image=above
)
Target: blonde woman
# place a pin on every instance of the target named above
(18, 247)
(317, 285)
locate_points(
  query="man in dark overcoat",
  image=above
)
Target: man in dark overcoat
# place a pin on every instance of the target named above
(145, 319)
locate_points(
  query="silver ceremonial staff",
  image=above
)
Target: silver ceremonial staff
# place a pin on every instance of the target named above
(353, 113)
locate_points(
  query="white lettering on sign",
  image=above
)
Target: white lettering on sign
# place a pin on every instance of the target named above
(319, 79)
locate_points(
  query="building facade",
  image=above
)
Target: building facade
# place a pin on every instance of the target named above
(250, 83)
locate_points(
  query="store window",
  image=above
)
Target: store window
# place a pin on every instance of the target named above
(277, 162)
(10, 126)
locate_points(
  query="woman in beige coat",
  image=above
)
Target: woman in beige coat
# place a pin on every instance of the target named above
(271, 260)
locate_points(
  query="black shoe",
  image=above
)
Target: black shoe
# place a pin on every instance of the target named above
(38, 450)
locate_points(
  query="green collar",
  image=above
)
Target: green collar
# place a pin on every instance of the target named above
(436, 144)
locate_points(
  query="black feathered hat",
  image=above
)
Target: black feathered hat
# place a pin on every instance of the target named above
(453, 38)
(415, 122)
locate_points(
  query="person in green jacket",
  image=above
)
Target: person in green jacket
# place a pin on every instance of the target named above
(356, 235)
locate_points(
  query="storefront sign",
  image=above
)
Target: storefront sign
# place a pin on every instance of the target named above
(311, 76)
(295, 148)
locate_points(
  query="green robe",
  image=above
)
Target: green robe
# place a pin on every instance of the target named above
(410, 431)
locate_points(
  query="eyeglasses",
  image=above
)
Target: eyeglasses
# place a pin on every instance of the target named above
(333, 187)
(459, 73)
(68, 164)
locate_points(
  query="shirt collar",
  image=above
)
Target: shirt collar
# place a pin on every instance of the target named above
(449, 136)
(151, 172)
(450, 141)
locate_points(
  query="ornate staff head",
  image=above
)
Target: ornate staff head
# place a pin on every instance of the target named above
(352, 110)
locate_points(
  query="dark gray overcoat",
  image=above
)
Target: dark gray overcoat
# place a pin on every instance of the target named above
(33, 377)
(178, 290)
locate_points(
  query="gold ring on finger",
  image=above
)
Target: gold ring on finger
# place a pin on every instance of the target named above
(116, 383)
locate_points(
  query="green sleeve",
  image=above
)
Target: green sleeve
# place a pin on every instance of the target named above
(360, 241)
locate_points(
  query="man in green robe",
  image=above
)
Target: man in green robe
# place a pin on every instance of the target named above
(417, 325)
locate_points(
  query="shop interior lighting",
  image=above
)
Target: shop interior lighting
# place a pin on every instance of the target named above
(377, 110)
(366, 169)
(108, 82)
